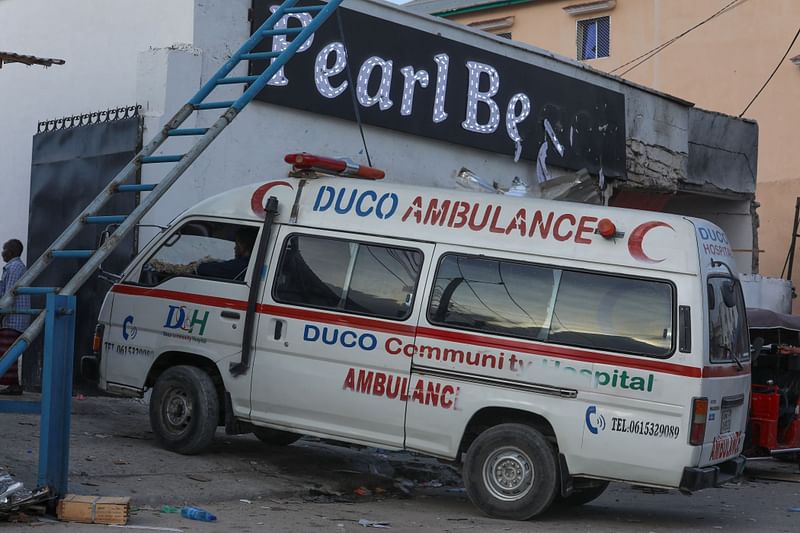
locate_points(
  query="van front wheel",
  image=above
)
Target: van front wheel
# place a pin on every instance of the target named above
(511, 472)
(184, 409)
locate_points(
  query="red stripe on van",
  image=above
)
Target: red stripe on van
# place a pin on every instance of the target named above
(187, 297)
(717, 371)
(337, 319)
(285, 312)
(653, 365)
(587, 356)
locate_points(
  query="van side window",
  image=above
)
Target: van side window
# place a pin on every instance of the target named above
(548, 304)
(348, 276)
(201, 248)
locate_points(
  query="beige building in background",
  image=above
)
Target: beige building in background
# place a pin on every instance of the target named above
(720, 65)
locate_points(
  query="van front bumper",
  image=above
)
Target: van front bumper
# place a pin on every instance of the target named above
(698, 478)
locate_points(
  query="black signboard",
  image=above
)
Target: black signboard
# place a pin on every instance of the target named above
(424, 84)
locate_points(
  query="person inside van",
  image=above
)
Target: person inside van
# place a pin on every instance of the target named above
(230, 269)
(233, 268)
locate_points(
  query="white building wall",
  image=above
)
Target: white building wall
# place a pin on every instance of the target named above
(100, 41)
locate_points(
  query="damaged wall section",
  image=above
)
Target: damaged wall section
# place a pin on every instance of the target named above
(723, 152)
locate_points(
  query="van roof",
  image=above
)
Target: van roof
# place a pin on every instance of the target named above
(546, 228)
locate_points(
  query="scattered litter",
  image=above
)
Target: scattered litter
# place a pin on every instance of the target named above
(170, 509)
(371, 523)
(94, 509)
(194, 513)
(102, 436)
(89, 484)
(794, 509)
(405, 485)
(120, 462)
(243, 500)
(362, 491)
(90, 458)
(80, 397)
(457, 489)
(198, 477)
(435, 484)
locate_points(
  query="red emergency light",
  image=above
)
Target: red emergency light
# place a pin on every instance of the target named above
(341, 167)
(606, 228)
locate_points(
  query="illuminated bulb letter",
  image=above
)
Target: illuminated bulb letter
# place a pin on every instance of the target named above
(279, 42)
(382, 97)
(475, 96)
(411, 78)
(513, 118)
(322, 72)
(442, 64)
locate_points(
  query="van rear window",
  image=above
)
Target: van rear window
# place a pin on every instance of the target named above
(586, 309)
(345, 275)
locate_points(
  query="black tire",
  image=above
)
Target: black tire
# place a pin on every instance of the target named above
(511, 472)
(583, 495)
(184, 410)
(274, 437)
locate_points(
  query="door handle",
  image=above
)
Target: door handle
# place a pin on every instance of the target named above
(279, 327)
(231, 314)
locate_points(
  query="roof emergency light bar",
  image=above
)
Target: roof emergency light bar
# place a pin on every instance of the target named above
(328, 165)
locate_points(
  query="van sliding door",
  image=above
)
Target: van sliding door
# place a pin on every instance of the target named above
(333, 347)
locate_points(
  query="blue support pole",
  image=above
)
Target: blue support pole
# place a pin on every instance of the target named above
(59, 351)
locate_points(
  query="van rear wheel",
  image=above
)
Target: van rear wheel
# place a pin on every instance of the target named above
(274, 437)
(511, 472)
(184, 409)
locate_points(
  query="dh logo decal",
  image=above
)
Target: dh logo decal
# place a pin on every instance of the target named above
(594, 422)
(178, 318)
(636, 240)
(129, 331)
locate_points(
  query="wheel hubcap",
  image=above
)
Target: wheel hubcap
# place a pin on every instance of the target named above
(508, 474)
(177, 410)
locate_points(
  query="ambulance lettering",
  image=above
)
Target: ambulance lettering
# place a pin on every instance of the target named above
(395, 387)
(491, 218)
(525, 367)
(714, 242)
(725, 445)
(343, 337)
(362, 203)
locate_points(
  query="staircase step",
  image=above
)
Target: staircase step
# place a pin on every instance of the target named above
(105, 219)
(79, 254)
(162, 158)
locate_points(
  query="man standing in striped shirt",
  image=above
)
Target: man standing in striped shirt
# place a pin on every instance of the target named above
(12, 326)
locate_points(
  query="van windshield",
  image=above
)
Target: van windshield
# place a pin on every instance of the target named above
(727, 328)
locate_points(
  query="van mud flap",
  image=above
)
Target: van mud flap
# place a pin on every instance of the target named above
(704, 477)
(271, 211)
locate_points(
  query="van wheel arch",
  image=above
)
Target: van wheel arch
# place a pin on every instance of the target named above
(169, 359)
(492, 416)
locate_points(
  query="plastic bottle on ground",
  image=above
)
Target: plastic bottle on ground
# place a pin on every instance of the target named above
(194, 513)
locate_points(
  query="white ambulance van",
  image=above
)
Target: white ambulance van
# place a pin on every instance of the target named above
(545, 347)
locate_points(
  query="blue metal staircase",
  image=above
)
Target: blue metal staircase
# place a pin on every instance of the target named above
(120, 184)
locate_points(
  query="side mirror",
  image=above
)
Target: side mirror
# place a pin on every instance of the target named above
(755, 349)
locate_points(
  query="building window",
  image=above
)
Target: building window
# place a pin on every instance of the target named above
(594, 38)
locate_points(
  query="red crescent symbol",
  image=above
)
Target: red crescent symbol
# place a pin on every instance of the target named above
(257, 200)
(636, 240)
